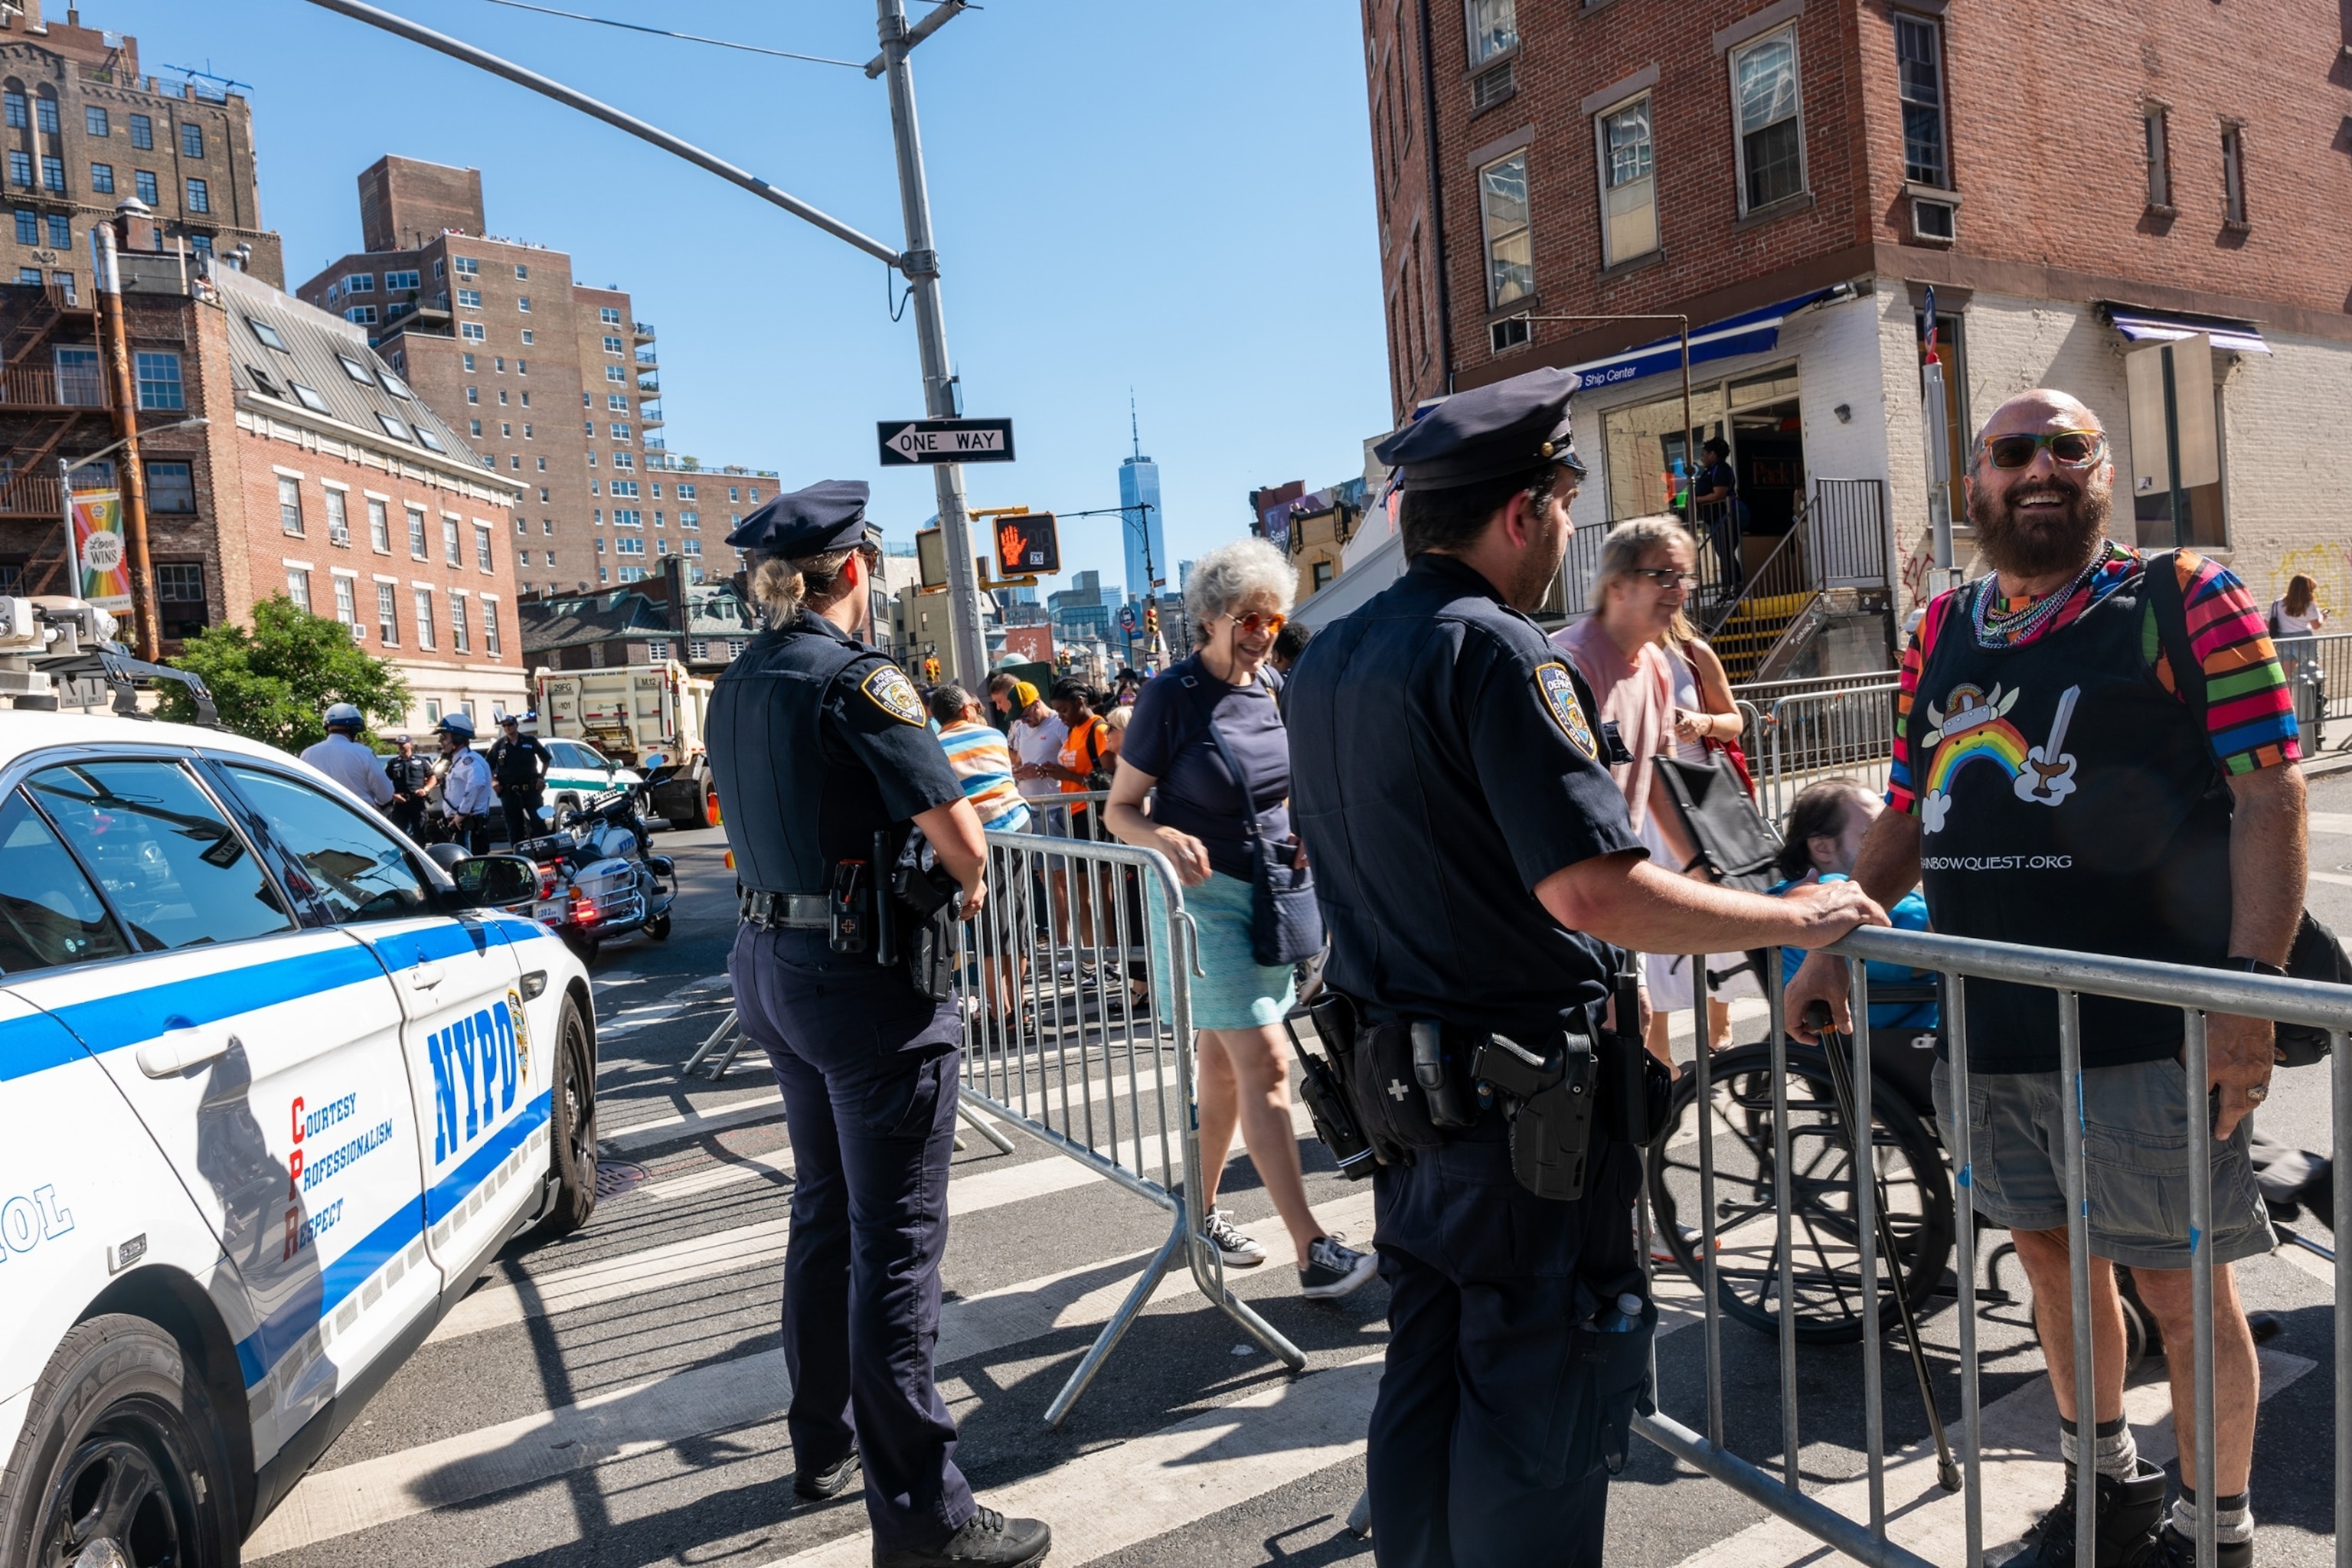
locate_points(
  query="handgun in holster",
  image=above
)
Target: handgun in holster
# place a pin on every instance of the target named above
(1550, 1104)
(922, 901)
(849, 907)
(1323, 1081)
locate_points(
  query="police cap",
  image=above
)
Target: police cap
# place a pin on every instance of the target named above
(828, 515)
(1488, 433)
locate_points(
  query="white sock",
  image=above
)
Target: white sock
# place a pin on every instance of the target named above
(2234, 1518)
(2118, 1453)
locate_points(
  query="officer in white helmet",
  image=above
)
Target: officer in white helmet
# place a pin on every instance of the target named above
(342, 758)
(466, 793)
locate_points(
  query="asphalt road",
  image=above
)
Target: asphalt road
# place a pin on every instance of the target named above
(614, 1399)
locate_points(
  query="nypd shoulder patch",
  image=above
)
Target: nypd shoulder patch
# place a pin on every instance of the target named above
(1559, 692)
(889, 688)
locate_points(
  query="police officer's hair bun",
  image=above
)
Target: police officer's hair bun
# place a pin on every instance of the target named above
(782, 584)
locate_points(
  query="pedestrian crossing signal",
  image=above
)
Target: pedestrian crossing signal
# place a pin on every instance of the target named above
(1027, 545)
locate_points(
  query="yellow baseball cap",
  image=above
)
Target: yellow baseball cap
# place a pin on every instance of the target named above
(1023, 694)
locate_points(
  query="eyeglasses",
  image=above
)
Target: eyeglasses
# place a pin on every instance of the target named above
(2068, 448)
(1667, 577)
(1259, 626)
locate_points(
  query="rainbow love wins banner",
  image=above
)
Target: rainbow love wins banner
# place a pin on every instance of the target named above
(98, 544)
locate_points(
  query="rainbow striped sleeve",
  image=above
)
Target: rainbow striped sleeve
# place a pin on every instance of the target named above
(1899, 795)
(2249, 712)
(983, 765)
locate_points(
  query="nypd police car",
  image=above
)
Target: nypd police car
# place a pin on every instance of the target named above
(276, 1088)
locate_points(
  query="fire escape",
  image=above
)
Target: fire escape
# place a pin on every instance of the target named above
(54, 402)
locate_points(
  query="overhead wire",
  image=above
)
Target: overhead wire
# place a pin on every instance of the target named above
(668, 33)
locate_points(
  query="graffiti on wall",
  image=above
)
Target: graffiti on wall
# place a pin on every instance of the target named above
(2329, 566)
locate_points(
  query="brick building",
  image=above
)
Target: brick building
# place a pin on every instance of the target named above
(1794, 175)
(499, 336)
(83, 129)
(319, 475)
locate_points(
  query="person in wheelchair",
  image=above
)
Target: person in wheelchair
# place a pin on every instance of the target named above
(1823, 836)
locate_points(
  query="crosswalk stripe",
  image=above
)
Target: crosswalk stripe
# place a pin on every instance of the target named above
(695, 1402)
(2022, 1475)
(742, 1250)
(2330, 821)
(764, 1107)
(1118, 1497)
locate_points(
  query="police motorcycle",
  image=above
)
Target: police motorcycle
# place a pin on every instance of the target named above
(596, 880)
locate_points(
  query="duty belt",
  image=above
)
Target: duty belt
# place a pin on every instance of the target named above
(784, 912)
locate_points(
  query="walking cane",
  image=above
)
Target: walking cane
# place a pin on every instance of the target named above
(1817, 1017)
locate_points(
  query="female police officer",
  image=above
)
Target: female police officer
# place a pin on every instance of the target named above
(1473, 861)
(819, 750)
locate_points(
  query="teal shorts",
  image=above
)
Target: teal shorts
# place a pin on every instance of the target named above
(1236, 992)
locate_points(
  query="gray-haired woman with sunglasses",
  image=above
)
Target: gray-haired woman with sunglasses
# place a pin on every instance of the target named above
(1201, 818)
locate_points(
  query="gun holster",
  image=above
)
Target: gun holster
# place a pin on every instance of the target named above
(1550, 1100)
(920, 922)
(1323, 1081)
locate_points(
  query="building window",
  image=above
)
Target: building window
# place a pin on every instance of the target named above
(1511, 249)
(691, 547)
(471, 331)
(698, 647)
(657, 649)
(1494, 29)
(361, 315)
(298, 588)
(424, 618)
(466, 266)
(609, 315)
(529, 338)
(191, 141)
(470, 298)
(339, 518)
(143, 180)
(482, 546)
(490, 629)
(522, 303)
(612, 345)
(60, 228)
(387, 615)
(53, 175)
(28, 227)
(449, 547)
(289, 505)
(1919, 57)
(159, 379)
(615, 373)
(20, 168)
(628, 547)
(460, 639)
(180, 584)
(416, 549)
(400, 280)
(45, 114)
(102, 179)
(93, 121)
(1772, 133)
(689, 519)
(2234, 174)
(360, 283)
(623, 460)
(2159, 157)
(171, 487)
(142, 132)
(379, 526)
(476, 426)
(347, 609)
(625, 486)
(18, 110)
(1629, 184)
(63, 282)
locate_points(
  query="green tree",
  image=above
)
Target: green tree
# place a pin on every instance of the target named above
(275, 682)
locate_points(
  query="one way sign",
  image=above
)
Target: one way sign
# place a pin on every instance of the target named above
(946, 441)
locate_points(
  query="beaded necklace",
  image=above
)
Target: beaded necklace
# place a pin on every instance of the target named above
(2012, 629)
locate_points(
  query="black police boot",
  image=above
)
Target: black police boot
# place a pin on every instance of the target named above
(2127, 1514)
(818, 1485)
(987, 1537)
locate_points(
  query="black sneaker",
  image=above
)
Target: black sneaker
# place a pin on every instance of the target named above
(2173, 1550)
(1236, 1246)
(1334, 1269)
(818, 1485)
(2129, 1513)
(987, 1537)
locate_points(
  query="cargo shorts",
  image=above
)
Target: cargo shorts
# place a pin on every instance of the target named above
(2135, 1157)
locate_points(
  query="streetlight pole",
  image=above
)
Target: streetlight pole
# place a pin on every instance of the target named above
(920, 264)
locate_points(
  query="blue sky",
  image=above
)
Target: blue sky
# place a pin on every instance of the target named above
(1172, 198)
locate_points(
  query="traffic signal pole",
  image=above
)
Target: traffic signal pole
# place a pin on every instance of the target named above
(920, 264)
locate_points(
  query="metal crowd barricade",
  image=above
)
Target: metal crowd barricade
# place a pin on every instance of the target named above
(2320, 671)
(1075, 981)
(1815, 735)
(2071, 975)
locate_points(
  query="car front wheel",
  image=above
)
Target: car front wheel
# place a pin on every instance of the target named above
(120, 1460)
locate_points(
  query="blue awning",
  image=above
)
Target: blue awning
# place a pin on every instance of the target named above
(1754, 331)
(2141, 324)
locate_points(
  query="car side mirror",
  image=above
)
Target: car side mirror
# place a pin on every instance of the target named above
(611, 767)
(492, 880)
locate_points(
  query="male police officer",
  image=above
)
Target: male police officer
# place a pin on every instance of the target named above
(519, 765)
(1473, 861)
(818, 746)
(343, 758)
